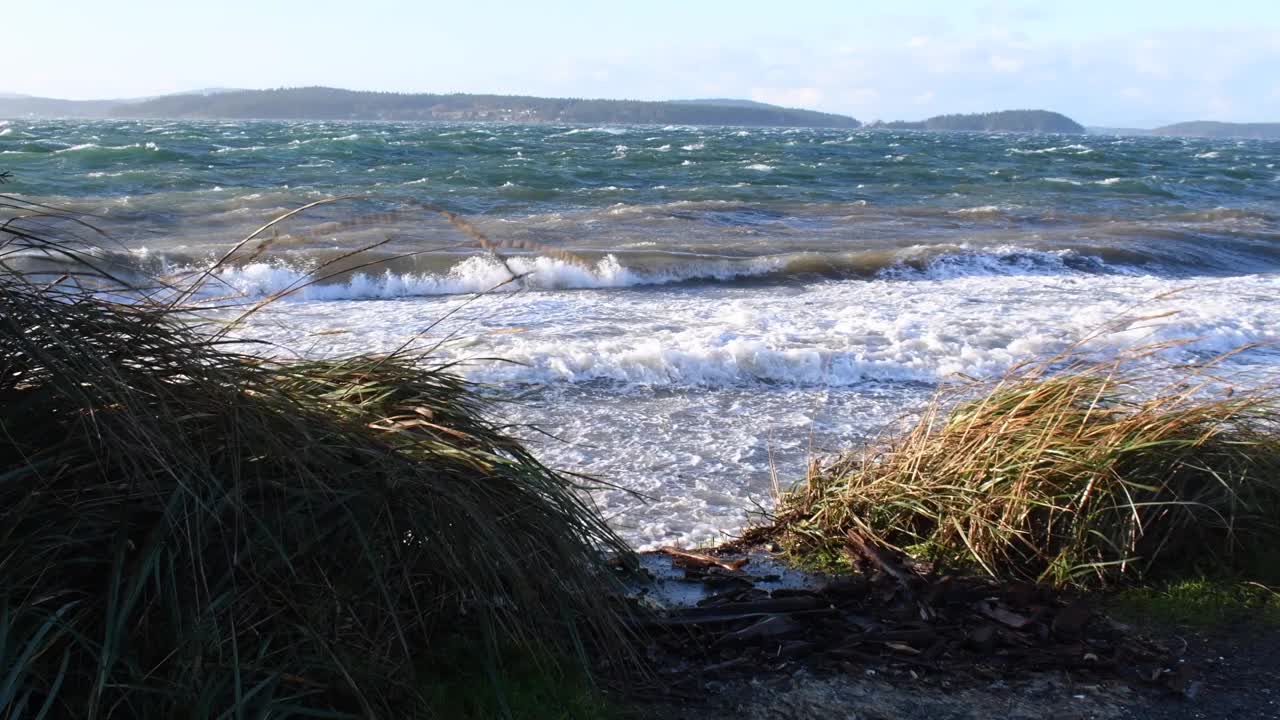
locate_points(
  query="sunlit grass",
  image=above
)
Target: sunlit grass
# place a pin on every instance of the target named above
(1067, 472)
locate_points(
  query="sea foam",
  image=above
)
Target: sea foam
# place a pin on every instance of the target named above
(482, 273)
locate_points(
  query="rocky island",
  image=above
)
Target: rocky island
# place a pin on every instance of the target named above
(1025, 121)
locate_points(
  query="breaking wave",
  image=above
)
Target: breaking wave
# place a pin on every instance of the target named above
(479, 274)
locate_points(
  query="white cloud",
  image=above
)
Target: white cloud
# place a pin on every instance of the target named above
(861, 96)
(1137, 80)
(1135, 94)
(1149, 60)
(1220, 106)
(1005, 64)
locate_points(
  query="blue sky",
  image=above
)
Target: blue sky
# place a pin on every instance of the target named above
(1118, 62)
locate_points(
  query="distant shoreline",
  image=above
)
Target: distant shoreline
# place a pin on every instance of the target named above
(317, 104)
(331, 104)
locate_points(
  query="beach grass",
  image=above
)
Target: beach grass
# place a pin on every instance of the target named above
(1070, 471)
(188, 528)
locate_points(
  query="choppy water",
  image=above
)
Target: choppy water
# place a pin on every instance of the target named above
(747, 297)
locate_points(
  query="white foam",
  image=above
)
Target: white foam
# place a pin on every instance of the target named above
(760, 167)
(295, 142)
(1064, 149)
(691, 396)
(925, 262)
(485, 273)
(823, 335)
(582, 131)
(979, 210)
(92, 146)
(75, 148)
(476, 275)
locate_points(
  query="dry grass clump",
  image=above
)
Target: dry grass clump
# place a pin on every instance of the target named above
(1067, 472)
(186, 531)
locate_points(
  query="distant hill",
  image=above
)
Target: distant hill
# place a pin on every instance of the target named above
(25, 106)
(1024, 121)
(1206, 129)
(15, 105)
(728, 102)
(319, 103)
(203, 91)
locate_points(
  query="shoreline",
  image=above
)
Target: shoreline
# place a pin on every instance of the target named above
(368, 501)
(1163, 667)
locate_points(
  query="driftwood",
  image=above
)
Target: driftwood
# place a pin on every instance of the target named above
(747, 610)
(877, 557)
(698, 561)
(900, 616)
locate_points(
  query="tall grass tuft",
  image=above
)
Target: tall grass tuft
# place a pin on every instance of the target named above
(188, 530)
(1067, 471)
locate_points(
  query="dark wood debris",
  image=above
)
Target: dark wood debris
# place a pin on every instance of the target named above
(898, 617)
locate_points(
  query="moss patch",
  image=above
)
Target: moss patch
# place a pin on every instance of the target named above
(1200, 602)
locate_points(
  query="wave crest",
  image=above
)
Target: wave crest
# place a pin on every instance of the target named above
(486, 273)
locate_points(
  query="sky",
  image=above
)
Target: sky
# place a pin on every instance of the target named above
(1117, 63)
